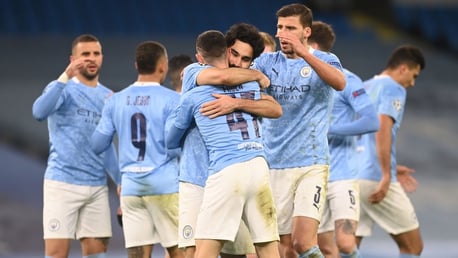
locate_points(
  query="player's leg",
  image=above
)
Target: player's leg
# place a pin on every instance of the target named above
(221, 211)
(283, 183)
(208, 248)
(345, 238)
(175, 252)
(345, 208)
(190, 199)
(326, 238)
(61, 203)
(304, 235)
(409, 242)
(140, 251)
(138, 228)
(94, 224)
(57, 248)
(366, 223)
(286, 247)
(309, 202)
(241, 246)
(396, 215)
(267, 250)
(260, 214)
(327, 244)
(94, 247)
(163, 210)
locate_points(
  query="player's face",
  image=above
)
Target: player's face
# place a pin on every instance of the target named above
(91, 53)
(409, 75)
(240, 54)
(290, 26)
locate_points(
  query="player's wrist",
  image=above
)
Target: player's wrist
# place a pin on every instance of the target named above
(63, 78)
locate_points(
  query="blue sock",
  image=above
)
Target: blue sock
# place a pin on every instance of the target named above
(354, 254)
(99, 255)
(408, 256)
(48, 256)
(313, 252)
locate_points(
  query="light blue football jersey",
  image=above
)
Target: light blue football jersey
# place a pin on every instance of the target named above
(194, 154)
(194, 158)
(138, 115)
(229, 139)
(389, 98)
(347, 105)
(72, 111)
(299, 137)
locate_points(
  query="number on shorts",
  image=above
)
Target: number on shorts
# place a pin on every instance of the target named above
(352, 197)
(317, 197)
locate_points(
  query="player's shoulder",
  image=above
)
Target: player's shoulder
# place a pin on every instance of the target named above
(324, 55)
(328, 57)
(270, 57)
(194, 67)
(351, 75)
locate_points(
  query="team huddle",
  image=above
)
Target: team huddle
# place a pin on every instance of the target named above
(256, 153)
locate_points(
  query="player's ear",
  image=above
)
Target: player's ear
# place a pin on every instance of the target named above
(200, 59)
(163, 65)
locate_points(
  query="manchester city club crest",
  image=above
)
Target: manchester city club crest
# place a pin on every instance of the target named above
(188, 232)
(305, 71)
(54, 225)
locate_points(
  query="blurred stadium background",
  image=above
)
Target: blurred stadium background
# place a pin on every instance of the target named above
(35, 39)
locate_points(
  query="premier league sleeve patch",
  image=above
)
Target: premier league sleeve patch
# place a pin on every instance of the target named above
(397, 104)
(358, 92)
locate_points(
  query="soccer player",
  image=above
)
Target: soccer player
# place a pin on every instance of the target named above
(238, 182)
(303, 81)
(149, 192)
(175, 73)
(353, 114)
(383, 201)
(75, 191)
(244, 45)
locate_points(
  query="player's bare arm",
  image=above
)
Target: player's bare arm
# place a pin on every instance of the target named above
(383, 141)
(231, 76)
(224, 104)
(331, 75)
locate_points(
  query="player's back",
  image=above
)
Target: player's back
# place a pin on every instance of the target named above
(232, 138)
(139, 114)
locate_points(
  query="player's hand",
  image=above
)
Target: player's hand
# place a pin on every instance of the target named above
(222, 105)
(289, 38)
(264, 82)
(74, 67)
(118, 190)
(406, 179)
(119, 216)
(381, 191)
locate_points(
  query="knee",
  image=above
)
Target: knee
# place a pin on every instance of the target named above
(410, 242)
(415, 248)
(95, 245)
(346, 247)
(328, 251)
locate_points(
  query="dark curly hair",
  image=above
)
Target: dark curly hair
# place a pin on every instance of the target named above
(246, 33)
